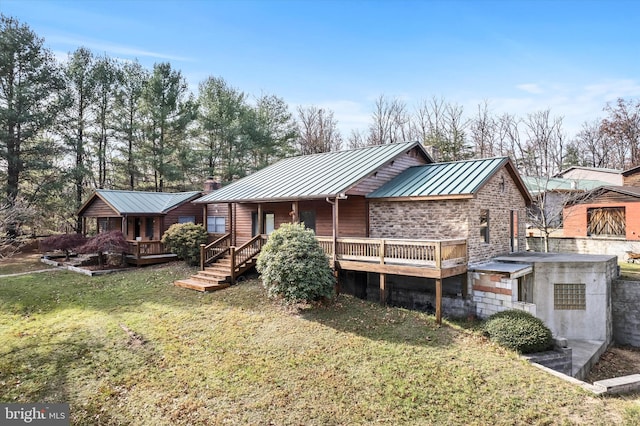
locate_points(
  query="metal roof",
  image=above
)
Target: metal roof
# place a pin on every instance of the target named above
(310, 176)
(441, 179)
(129, 202)
(536, 185)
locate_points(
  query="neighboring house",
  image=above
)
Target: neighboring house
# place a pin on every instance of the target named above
(550, 195)
(611, 176)
(143, 217)
(611, 212)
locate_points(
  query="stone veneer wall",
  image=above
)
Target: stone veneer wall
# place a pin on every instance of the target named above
(451, 219)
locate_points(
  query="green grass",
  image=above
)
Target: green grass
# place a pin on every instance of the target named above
(130, 348)
(629, 271)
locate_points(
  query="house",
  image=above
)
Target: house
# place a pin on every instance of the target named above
(577, 173)
(143, 217)
(386, 215)
(550, 194)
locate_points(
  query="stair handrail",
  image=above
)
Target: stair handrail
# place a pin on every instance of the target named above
(240, 256)
(214, 250)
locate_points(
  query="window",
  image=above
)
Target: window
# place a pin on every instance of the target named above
(216, 224)
(309, 219)
(525, 288)
(269, 223)
(513, 225)
(484, 225)
(606, 221)
(187, 219)
(149, 227)
(569, 297)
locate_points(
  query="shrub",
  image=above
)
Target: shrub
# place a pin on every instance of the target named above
(519, 331)
(63, 242)
(105, 242)
(184, 239)
(294, 266)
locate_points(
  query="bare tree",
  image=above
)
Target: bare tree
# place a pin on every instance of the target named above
(591, 141)
(317, 131)
(623, 127)
(356, 140)
(484, 129)
(442, 126)
(390, 121)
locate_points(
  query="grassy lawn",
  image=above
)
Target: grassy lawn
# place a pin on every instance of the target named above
(130, 348)
(22, 263)
(629, 271)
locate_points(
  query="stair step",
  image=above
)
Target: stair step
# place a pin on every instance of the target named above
(209, 278)
(199, 285)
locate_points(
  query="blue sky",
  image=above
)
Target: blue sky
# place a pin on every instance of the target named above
(521, 56)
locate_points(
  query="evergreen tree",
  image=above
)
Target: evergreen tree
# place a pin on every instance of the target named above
(30, 102)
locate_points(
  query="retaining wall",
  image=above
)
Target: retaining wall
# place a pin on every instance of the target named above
(625, 301)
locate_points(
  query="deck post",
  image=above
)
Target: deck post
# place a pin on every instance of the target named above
(202, 246)
(383, 277)
(383, 289)
(232, 252)
(295, 213)
(438, 255)
(137, 253)
(439, 301)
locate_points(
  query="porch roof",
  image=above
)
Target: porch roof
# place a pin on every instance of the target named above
(140, 202)
(315, 176)
(446, 180)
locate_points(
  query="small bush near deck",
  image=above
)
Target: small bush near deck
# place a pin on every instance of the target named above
(294, 266)
(519, 331)
(184, 239)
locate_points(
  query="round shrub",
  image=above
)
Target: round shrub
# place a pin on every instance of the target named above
(294, 267)
(519, 331)
(184, 239)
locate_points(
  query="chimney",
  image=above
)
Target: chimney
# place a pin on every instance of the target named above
(211, 184)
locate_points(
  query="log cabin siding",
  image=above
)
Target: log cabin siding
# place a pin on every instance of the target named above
(186, 209)
(99, 208)
(352, 214)
(388, 172)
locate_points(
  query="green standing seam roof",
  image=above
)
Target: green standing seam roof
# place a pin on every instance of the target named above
(536, 185)
(441, 179)
(129, 202)
(309, 176)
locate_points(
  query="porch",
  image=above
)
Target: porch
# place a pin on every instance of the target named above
(221, 263)
(151, 252)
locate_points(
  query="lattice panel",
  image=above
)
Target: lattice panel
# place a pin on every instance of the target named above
(606, 221)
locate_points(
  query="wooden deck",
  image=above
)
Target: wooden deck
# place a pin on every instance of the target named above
(148, 253)
(418, 258)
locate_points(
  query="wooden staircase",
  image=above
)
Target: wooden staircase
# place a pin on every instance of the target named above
(214, 277)
(221, 264)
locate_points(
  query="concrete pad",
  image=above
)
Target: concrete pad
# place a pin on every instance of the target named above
(585, 353)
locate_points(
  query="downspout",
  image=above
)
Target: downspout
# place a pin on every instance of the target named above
(334, 241)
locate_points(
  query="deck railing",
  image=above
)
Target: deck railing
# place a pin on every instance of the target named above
(433, 253)
(146, 248)
(215, 250)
